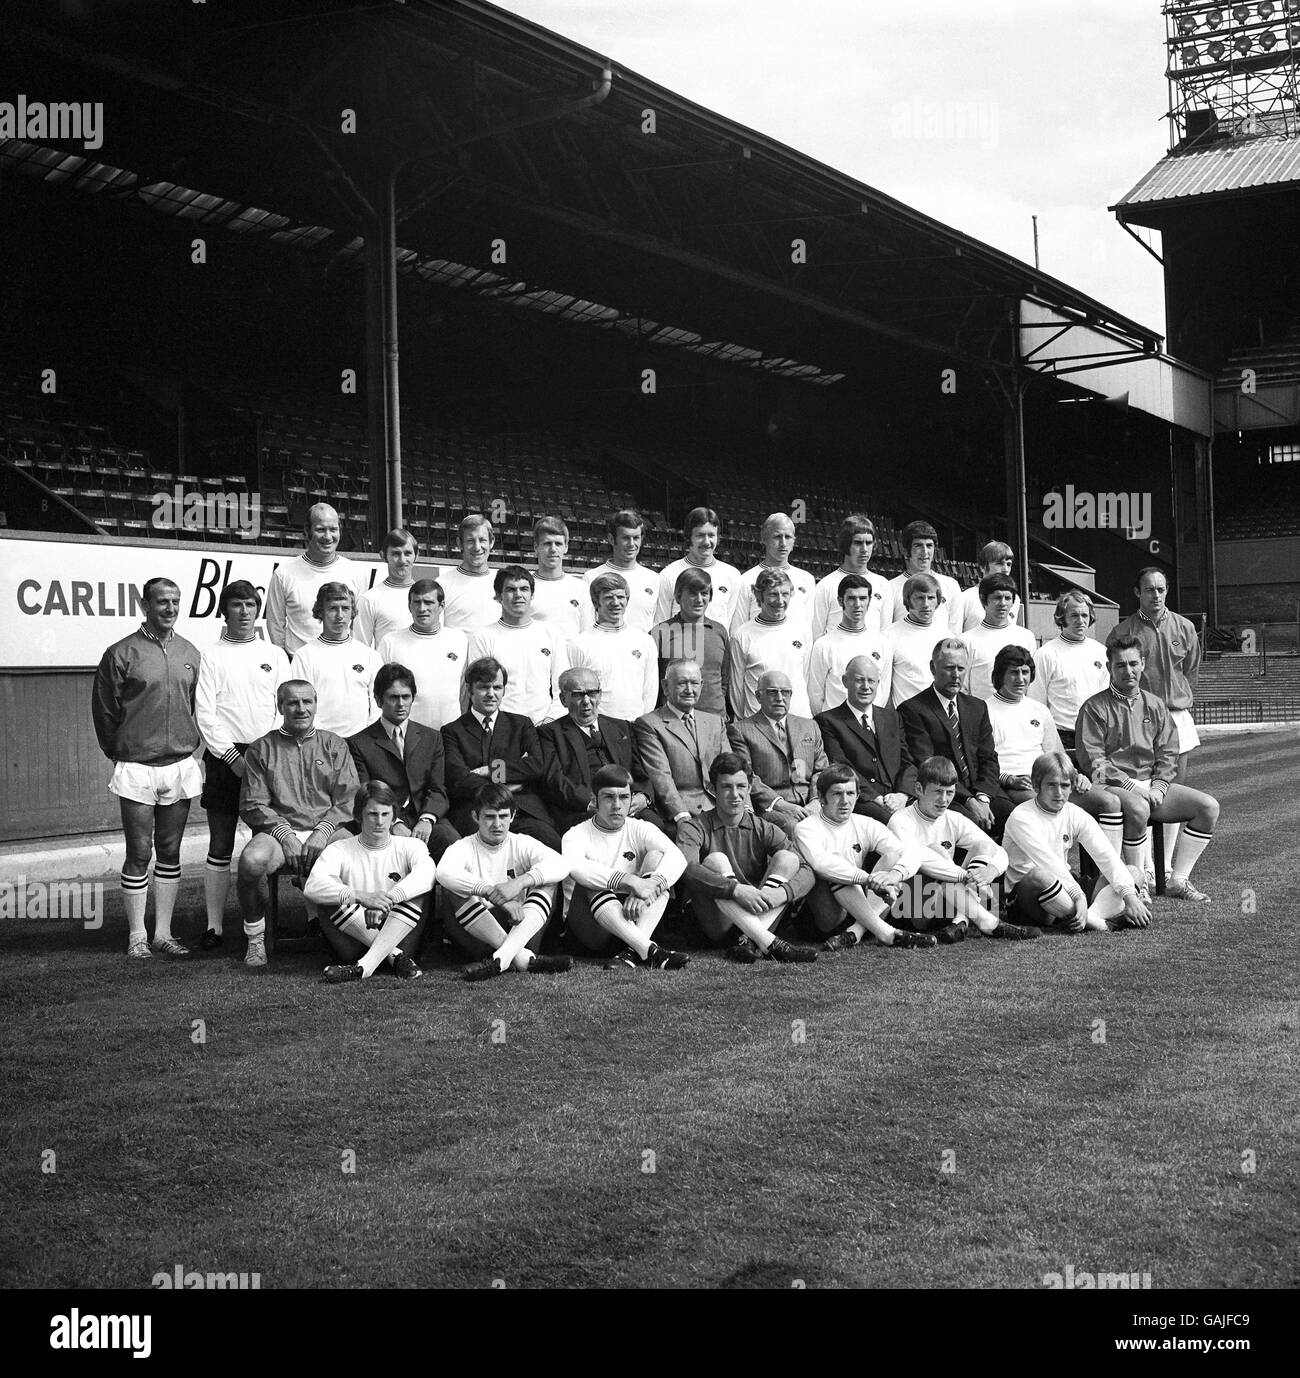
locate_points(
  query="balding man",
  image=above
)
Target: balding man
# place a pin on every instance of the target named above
(778, 536)
(579, 744)
(678, 743)
(942, 721)
(783, 753)
(298, 789)
(291, 594)
(866, 735)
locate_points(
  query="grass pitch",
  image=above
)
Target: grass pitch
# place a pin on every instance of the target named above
(977, 1116)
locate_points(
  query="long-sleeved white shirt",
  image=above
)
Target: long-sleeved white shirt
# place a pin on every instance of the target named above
(951, 612)
(726, 581)
(1066, 675)
(835, 851)
(600, 859)
(826, 608)
(913, 648)
(343, 675)
(559, 603)
(985, 643)
(1022, 732)
(830, 656)
(345, 867)
(643, 594)
(471, 867)
(1035, 837)
(759, 646)
(627, 664)
(291, 595)
(940, 837)
(234, 700)
(534, 657)
(382, 609)
(470, 599)
(438, 663)
(799, 609)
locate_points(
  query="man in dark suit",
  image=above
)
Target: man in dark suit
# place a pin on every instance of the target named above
(408, 758)
(869, 737)
(783, 752)
(486, 743)
(577, 745)
(678, 743)
(942, 721)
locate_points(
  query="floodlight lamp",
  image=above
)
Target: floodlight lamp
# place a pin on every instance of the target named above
(1241, 13)
(1268, 40)
(1190, 56)
(1216, 51)
(1214, 18)
(1187, 25)
(1242, 43)
(1291, 6)
(1293, 35)
(1265, 10)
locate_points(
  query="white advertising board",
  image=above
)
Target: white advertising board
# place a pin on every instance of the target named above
(62, 603)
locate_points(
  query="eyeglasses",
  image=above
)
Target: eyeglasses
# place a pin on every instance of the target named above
(585, 693)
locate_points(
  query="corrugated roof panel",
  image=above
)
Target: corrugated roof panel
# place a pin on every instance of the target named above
(1215, 171)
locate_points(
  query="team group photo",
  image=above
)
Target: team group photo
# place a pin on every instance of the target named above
(613, 682)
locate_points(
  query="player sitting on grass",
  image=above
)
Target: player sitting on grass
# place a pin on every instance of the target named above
(497, 892)
(742, 872)
(840, 845)
(620, 872)
(375, 885)
(1038, 837)
(940, 832)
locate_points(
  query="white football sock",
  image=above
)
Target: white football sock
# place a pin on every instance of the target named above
(166, 882)
(1190, 846)
(135, 898)
(401, 920)
(216, 886)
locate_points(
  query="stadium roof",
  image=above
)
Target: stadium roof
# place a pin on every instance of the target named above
(506, 131)
(1230, 168)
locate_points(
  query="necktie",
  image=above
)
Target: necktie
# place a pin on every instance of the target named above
(399, 739)
(689, 720)
(866, 722)
(955, 723)
(487, 738)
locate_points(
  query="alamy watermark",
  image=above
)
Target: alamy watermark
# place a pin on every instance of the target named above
(949, 121)
(39, 121)
(82, 900)
(190, 510)
(1083, 510)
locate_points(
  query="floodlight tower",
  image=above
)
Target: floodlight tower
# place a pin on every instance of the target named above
(1232, 70)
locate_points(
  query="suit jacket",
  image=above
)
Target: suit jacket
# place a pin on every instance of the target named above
(881, 759)
(679, 773)
(416, 777)
(568, 767)
(754, 741)
(929, 733)
(514, 743)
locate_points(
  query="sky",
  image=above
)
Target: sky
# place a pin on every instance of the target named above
(980, 113)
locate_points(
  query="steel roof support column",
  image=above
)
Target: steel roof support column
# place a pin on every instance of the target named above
(383, 392)
(1012, 387)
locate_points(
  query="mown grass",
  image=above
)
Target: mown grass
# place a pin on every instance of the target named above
(798, 1121)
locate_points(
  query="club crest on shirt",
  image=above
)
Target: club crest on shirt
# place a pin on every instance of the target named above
(629, 856)
(1033, 722)
(798, 645)
(265, 667)
(649, 593)
(637, 654)
(722, 588)
(573, 603)
(451, 655)
(546, 650)
(857, 847)
(1096, 665)
(360, 669)
(510, 873)
(394, 876)
(946, 843)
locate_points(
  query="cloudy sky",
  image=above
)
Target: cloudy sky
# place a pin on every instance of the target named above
(981, 113)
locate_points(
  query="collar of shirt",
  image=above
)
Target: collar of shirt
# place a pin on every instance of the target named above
(1124, 698)
(778, 726)
(484, 718)
(235, 641)
(157, 640)
(681, 714)
(306, 736)
(946, 699)
(1153, 621)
